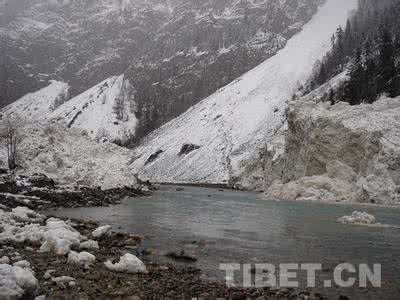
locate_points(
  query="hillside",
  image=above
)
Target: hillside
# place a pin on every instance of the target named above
(217, 140)
(174, 53)
(107, 111)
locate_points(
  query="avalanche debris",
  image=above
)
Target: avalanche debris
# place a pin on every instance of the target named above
(128, 263)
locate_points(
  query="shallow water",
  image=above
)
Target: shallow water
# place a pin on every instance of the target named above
(238, 227)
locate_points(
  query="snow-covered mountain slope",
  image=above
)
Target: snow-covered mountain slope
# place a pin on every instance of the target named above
(175, 53)
(214, 141)
(34, 106)
(106, 111)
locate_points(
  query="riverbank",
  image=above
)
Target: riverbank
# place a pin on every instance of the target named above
(63, 258)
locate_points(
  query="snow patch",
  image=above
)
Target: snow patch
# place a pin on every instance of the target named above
(83, 259)
(128, 263)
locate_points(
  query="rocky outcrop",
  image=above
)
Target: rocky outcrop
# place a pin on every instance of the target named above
(337, 153)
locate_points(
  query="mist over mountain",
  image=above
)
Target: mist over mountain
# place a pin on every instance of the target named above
(174, 53)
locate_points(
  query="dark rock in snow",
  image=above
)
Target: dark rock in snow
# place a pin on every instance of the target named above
(187, 148)
(153, 157)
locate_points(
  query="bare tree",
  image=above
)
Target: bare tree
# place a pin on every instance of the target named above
(9, 135)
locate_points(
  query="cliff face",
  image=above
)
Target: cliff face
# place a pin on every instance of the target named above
(337, 153)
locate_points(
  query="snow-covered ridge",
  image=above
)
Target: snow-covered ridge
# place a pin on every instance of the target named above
(35, 106)
(106, 111)
(229, 127)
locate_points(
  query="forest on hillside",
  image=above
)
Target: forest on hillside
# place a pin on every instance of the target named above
(368, 49)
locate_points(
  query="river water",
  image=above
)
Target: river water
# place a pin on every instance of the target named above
(239, 227)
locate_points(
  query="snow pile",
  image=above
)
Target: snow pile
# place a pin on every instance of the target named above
(357, 217)
(59, 237)
(233, 124)
(16, 282)
(89, 245)
(14, 229)
(55, 236)
(25, 214)
(128, 263)
(71, 157)
(83, 259)
(36, 106)
(102, 230)
(106, 111)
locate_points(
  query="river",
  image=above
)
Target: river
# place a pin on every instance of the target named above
(223, 226)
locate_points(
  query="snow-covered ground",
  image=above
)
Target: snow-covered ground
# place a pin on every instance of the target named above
(231, 125)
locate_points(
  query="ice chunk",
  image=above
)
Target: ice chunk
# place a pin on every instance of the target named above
(59, 237)
(358, 217)
(83, 259)
(128, 263)
(90, 244)
(102, 230)
(22, 264)
(26, 280)
(16, 281)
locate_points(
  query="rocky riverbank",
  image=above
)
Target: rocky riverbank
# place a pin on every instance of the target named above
(40, 192)
(52, 258)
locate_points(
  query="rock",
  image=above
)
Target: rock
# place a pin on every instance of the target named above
(4, 260)
(42, 297)
(63, 279)
(102, 230)
(181, 256)
(22, 264)
(187, 148)
(89, 245)
(238, 296)
(47, 274)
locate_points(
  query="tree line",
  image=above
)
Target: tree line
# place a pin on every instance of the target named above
(368, 48)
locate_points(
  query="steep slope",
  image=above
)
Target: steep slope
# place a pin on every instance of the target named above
(174, 52)
(106, 111)
(337, 153)
(34, 106)
(214, 141)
